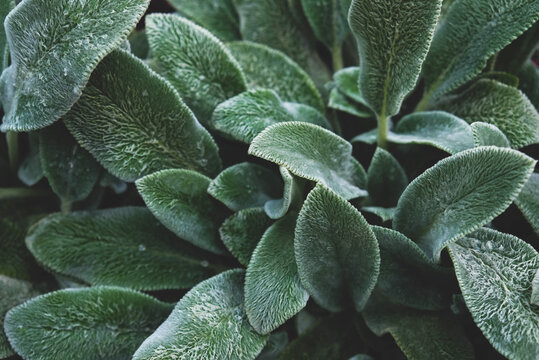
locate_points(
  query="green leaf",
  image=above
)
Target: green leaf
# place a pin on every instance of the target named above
(338, 101)
(265, 67)
(312, 153)
(346, 80)
(245, 185)
(495, 273)
(529, 82)
(460, 48)
(120, 247)
(179, 199)
(528, 201)
(535, 289)
(497, 104)
(460, 194)
(336, 251)
(138, 42)
(488, 135)
(72, 172)
(14, 258)
(112, 182)
(93, 323)
(5, 7)
(273, 291)
(385, 214)
(244, 116)
(515, 55)
(134, 123)
(194, 61)
(30, 171)
(218, 16)
(55, 45)
(393, 40)
(328, 22)
(293, 192)
(208, 323)
(386, 179)
(242, 231)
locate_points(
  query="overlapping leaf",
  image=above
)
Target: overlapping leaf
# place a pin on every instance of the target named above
(5, 7)
(485, 134)
(528, 201)
(386, 179)
(30, 171)
(293, 187)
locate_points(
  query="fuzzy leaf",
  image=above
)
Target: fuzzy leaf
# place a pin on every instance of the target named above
(5, 7)
(385, 214)
(346, 80)
(242, 231)
(393, 39)
(338, 101)
(179, 199)
(120, 247)
(134, 123)
(208, 323)
(460, 48)
(386, 179)
(497, 104)
(528, 201)
(244, 116)
(14, 258)
(273, 291)
(194, 61)
(293, 190)
(495, 273)
(245, 185)
(268, 68)
(336, 251)
(93, 323)
(535, 289)
(31, 172)
(327, 21)
(460, 194)
(72, 172)
(55, 45)
(313, 153)
(488, 135)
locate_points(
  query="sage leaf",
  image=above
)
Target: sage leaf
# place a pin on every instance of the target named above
(138, 41)
(338, 101)
(336, 251)
(120, 247)
(383, 213)
(55, 45)
(242, 231)
(208, 323)
(273, 291)
(528, 201)
(245, 185)
(312, 153)
(460, 194)
(268, 68)
(31, 172)
(393, 40)
(179, 199)
(135, 125)
(346, 80)
(328, 22)
(5, 7)
(386, 179)
(535, 289)
(495, 273)
(485, 134)
(293, 192)
(460, 48)
(194, 61)
(94, 323)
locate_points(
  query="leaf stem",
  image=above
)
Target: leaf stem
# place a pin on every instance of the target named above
(336, 54)
(12, 139)
(65, 206)
(383, 121)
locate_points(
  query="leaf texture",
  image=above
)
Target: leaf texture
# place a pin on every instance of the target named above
(485, 134)
(528, 201)
(5, 7)
(293, 192)
(327, 20)
(386, 179)
(535, 289)
(338, 101)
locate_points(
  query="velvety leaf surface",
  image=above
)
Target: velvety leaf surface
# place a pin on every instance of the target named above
(5, 7)
(313, 153)
(495, 103)
(30, 171)
(460, 48)
(244, 116)
(385, 214)
(393, 39)
(535, 289)
(488, 135)
(245, 185)
(460, 194)
(54, 47)
(336, 251)
(93, 323)
(134, 123)
(328, 22)
(179, 199)
(208, 323)
(194, 61)
(268, 68)
(242, 231)
(338, 101)
(273, 291)
(346, 81)
(386, 179)
(293, 191)
(121, 247)
(528, 201)
(495, 273)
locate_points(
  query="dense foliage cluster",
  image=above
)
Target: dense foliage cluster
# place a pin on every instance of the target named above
(269, 179)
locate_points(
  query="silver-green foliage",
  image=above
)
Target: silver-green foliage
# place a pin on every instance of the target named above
(485, 134)
(328, 21)
(386, 179)
(528, 201)
(292, 193)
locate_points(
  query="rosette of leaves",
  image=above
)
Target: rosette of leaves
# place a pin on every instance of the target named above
(199, 186)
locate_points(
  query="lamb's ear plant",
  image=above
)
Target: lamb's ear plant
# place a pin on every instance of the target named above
(277, 179)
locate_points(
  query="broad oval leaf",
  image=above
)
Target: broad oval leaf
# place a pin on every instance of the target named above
(90, 323)
(346, 80)
(336, 251)
(273, 291)
(55, 45)
(535, 289)
(268, 68)
(338, 101)
(460, 194)
(194, 61)
(313, 153)
(179, 199)
(485, 134)
(495, 273)
(393, 39)
(134, 123)
(293, 192)
(383, 213)
(208, 323)
(120, 247)
(528, 201)
(30, 171)
(328, 22)
(386, 179)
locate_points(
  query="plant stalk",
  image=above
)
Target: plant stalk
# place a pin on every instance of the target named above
(65, 206)
(336, 54)
(12, 139)
(383, 121)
